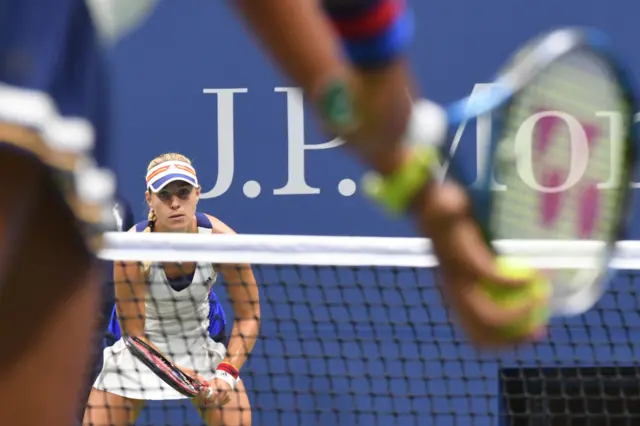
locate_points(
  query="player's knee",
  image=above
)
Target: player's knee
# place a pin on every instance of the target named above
(374, 32)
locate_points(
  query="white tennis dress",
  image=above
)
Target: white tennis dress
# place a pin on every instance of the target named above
(177, 323)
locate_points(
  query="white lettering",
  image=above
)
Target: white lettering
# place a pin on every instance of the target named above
(296, 182)
(615, 151)
(579, 151)
(226, 160)
(636, 120)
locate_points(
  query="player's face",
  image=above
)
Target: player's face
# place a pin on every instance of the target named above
(175, 206)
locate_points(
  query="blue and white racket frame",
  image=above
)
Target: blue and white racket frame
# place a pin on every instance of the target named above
(529, 61)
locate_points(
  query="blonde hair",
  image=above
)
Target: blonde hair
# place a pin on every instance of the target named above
(162, 158)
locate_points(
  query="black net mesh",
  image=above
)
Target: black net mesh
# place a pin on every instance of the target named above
(375, 346)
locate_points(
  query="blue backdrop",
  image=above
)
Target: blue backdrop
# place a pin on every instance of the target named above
(191, 80)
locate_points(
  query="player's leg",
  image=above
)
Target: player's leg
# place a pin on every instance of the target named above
(48, 295)
(108, 409)
(365, 98)
(237, 412)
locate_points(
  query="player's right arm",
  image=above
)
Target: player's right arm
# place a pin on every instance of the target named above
(130, 290)
(349, 57)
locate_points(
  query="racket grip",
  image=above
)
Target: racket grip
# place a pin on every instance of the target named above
(209, 392)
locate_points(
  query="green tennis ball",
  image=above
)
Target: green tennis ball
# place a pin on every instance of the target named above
(538, 287)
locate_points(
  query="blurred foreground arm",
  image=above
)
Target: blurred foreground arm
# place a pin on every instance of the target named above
(348, 56)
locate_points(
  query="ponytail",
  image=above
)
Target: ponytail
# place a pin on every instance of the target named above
(151, 222)
(151, 219)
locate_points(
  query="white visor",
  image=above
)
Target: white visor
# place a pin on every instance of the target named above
(170, 171)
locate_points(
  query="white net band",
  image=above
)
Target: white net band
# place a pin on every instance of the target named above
(346, 251)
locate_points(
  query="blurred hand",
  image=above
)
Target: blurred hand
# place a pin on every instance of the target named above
(443, 214)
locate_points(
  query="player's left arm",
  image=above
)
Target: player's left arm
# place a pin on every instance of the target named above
(244, 295)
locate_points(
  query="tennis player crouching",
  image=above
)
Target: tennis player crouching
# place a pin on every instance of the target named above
(168, 305)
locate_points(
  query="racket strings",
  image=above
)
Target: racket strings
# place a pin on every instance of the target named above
(556, 155)
(546, 198)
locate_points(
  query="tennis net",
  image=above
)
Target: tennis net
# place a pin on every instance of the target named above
(353, 331)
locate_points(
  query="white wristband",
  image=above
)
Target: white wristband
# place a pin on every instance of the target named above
(428, 125)
(226, 377)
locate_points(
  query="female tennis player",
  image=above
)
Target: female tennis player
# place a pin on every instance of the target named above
(170, 306)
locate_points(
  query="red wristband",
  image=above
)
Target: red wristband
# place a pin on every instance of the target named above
(228, 368)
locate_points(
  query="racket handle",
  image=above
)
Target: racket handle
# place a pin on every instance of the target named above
(209, 392)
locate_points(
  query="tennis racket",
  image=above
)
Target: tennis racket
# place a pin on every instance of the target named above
(164, 368)
(562, 114)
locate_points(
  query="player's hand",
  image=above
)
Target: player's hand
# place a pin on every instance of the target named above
(203, 396)
(443, 214)
(221, 392)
